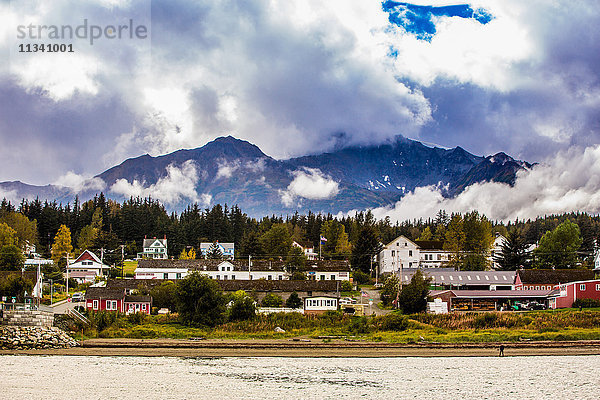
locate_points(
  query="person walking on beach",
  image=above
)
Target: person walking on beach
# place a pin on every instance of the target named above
(501, 351)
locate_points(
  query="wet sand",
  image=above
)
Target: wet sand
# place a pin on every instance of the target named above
(310, 348)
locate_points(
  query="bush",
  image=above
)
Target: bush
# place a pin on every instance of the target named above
(586, 303)
(242, 309)
(294, 301)
(394, 322)
(359, 325)
(361, 278)
(347, 286)
(137, 318)
(272, 300)
(485, 320)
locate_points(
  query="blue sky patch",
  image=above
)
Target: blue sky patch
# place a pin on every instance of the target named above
(418, 20)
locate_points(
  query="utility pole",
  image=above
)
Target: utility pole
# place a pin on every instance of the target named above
(122, 261)
(67, 275)
(101, 260)
(51, 290)
(249, 266)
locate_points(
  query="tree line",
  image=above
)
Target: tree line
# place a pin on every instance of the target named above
(101, 223)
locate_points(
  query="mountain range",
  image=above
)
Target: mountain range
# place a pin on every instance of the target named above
(232, 171)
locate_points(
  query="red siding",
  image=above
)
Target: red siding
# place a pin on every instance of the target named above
(574, 292)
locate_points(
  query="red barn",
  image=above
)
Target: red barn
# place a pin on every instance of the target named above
(568, 293)
(115, 299)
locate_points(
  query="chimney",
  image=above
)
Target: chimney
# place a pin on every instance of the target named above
(165, 237)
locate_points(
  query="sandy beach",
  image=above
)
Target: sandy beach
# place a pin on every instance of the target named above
(310, 348)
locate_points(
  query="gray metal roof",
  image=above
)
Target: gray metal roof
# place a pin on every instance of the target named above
(448, 276)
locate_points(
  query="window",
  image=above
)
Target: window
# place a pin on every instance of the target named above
(280, 277)
(393, 253)
(410, 253)
(270, 277)
(537, 288)
(178, 275)
(166, 275)
(224, 277)
(218, 276)
(582, 287)
(597, 287)
(333, 277)
(143, 307)
(250, 277)
(322, 277)
(111, 304)
(233, 277)
(95, 304)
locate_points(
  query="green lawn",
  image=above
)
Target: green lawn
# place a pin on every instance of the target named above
(130, 267)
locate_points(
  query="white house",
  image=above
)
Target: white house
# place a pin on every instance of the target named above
(331, 270)
(154, 249)
(308, 250)
(86, 267)
(320, 304)
(432, 254)
(400, 253)
(227, 249)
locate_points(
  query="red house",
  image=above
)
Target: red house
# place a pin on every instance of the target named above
(568, 293)
(115, 299)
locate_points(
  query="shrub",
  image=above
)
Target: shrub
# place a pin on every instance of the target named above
(586, 303)
(347, 286)
(137, 318)
(394, 322)
(294, 301)
(361, 278)
(242, 309)
(359, 325)
(272, 300)
(485, 320)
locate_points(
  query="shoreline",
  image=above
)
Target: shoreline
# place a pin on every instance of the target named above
(310, 349)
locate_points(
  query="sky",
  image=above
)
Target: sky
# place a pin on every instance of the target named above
(302, 77)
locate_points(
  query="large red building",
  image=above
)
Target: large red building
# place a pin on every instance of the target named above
(568, 293)
(116, 299)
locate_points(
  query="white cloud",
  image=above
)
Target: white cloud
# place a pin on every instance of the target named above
(309, 183)
(570, 181)
(226, 169)
(78, 183)
(10, 195)
(178, 185)
(257, 165)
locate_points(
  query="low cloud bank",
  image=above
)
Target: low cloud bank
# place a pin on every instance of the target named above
(570, 181)
(178, 185)
(78, 183)
(309, 183)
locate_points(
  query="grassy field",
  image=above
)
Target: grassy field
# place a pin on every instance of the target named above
(129, 267)
(451, 328)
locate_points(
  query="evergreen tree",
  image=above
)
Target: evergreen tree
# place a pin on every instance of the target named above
(513, 252)
(214, 252)
(367, 246)
(413, 297)
(294, 301)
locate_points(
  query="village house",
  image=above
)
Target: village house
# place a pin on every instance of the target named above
(87, 267)
(154, 249)
(432, 254)
(227, 249)
(116, 299)
(308, 249)
(403, 253)
(239, 269)
(327, 270)
(545, 279)
(568, 293)
(316, 305)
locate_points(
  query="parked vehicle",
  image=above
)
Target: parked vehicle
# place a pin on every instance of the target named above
(77, 297)
(347, 301)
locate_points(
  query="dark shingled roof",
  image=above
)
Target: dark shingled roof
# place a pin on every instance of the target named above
(138, 299)
(554, 276)
(104, 293)
(133, 284)
(327, 265)
(262, 285)
(430, 244)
